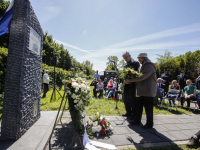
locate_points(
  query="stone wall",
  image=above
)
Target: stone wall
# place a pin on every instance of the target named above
(23, 74)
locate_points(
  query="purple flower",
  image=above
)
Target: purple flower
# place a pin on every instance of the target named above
(97, 134)
(108, 129)
(89, 127)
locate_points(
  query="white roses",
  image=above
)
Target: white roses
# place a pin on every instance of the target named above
(96, 128)
(74, 84)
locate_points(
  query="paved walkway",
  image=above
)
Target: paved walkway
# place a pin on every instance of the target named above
(168, 129)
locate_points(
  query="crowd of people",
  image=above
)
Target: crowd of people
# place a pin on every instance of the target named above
(111, 87)
(141, 91)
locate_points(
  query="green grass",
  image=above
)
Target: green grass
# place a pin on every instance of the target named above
(107, 107)
(103, 106)
(167, 147)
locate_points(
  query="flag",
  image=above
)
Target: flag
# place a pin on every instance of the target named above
(5, 21)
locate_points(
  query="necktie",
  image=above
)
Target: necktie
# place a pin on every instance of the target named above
(160, 85)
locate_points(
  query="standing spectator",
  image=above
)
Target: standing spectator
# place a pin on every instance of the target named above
(166, 77)
(119, 91)
(115, 84)
(105, 83)
(130, 88)
(146, 90)
(61, 83)
(100, 88)
(96, 75)
(94, 83)
(182, 79)
(46, 81)
(197, 82)
(190, 94)
(110, 89)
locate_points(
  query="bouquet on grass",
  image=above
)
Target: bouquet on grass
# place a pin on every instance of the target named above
(98, 125)
(78, 94)
(129, 73)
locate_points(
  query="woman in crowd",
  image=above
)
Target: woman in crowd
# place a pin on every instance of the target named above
(190, 93)
(146, 90)
(110, 89)
(175, 85)
(100, 88)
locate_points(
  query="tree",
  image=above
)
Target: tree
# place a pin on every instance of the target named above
(112, 63)
(4, 39)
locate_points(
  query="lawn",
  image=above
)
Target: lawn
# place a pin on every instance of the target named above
(103, 106)
(107, 107)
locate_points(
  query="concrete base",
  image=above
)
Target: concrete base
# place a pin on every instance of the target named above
(36, 138)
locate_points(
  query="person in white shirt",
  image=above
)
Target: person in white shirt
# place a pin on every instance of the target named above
(46, 81)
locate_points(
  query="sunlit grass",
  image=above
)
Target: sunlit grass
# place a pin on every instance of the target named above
(103, 106)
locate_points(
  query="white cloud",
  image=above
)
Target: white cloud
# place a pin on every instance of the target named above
(71, 46)
(142, 47)
(136, 45)
(84, 32)
(168, 33)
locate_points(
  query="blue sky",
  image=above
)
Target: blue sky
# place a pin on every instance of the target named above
(95, 29)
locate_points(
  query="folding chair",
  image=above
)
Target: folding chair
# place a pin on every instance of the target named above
(173, 95)
(196, 102)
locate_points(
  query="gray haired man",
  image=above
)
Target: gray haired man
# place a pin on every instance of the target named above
(130, 88)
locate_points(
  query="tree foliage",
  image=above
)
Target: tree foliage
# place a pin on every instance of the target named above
(189, 62)
(112, 63)
(4, 39)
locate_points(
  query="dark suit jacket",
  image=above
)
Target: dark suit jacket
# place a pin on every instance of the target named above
(182, 81)
(162, 86)
(197, 83)
(166, 77)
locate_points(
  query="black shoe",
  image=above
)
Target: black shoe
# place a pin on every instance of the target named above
(146, 126)
(134, 123)
(126, 115)
(193, 142)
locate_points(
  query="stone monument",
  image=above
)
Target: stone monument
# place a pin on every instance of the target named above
(22, 93)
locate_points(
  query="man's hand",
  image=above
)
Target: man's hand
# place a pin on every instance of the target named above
(126, 81)
(164, 81)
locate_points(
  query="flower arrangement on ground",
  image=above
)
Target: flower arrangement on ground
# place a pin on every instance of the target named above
(129, 73)
(98, 125)
(78, 94)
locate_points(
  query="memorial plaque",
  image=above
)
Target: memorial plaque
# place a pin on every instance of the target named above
(34, 41)
(22, 92)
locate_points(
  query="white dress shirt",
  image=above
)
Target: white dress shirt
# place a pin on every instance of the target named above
(46, 78)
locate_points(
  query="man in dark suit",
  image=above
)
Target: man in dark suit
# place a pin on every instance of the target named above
(160, 84)
(130, 88)
(166, 77)
(182, 79)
